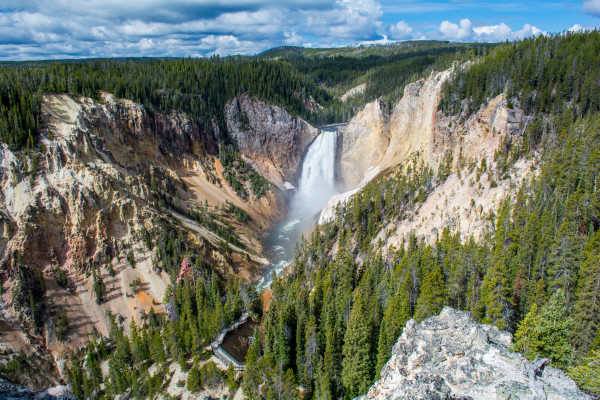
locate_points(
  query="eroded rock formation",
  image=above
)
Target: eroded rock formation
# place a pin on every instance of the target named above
(374, 143)
(109, 173)
(415, 126)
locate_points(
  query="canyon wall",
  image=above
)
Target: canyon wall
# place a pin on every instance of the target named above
(374, 143)
(272, 140)
(373, 139)
(108, 175)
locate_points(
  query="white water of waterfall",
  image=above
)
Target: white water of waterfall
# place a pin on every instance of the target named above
(317, 183)
(315, 187)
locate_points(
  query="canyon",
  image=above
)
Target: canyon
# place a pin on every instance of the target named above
(113, 173)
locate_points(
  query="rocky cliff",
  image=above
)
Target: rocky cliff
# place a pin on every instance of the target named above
(374, 143)
(416, 126)
(362, 144)
(272, 140)
(107, 175)
(453, 357)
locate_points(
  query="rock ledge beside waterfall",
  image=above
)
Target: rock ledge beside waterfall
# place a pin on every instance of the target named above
(272, 140)
(451, 356)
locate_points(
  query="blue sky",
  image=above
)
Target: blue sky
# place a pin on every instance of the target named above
(43, 29)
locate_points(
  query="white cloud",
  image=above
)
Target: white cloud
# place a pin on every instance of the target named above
(493, 33)
(527, 31)
(293, 39)
(381, 41)
(88, 28)
(37, 29)
(577, 28)
(592, 7)
(461, 32)
(350, 20)
(466, 32)
(400, 30)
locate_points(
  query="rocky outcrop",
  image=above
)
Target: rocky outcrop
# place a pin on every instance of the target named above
(354, 91)
(453, 357)
(361, 145)
(272, 140)
(9, 391)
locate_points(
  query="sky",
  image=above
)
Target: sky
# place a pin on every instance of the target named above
(58, 29)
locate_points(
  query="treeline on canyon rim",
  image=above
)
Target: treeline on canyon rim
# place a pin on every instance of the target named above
(545, 74)
(202, 87)
(333, 320)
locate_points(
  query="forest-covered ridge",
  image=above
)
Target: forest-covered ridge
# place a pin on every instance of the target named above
(358, 51)
(333, 319)
(545, 74)
(201, 87)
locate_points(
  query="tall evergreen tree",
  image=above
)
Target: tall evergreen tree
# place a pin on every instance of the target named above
(495, 304)
(433, 292)
(586, 314)
(395, 317)
(358, 365)
(547, 334)
(587, 374)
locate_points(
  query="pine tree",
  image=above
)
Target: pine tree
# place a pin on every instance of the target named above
(285, 386)
(495, 304)
(586, 313)
(194, 382)
(98, 286)
(232, 382)
(565, 258)
(555, 330)
(587, 374)
(547, 334)
(92, 364)
(252, 375)
(525, 339)
(357, 365)
(322, 383)
(77, 377)
(433, 293)
(311, 348)
(395, 317)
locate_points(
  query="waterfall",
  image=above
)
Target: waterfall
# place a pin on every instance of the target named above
(315, 188)
(317, 180)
